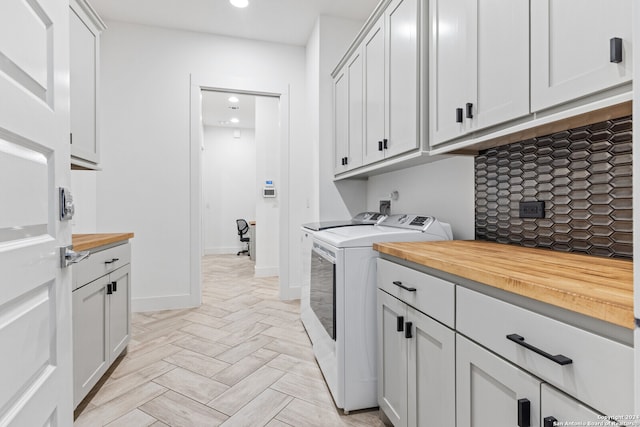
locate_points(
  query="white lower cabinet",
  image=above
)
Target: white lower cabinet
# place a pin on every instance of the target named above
(491, 391)
(101, 323)
(495, 363)
(559, 409)
(416, 376)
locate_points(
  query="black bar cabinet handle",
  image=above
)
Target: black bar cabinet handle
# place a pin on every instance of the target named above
(114, 286)
(524, 413)
(615, 50)
(469, 110)
(384, 143)
(346, 161)
(558, 358)
(112, 260)
(400, 285)
(407, 329)
(342, 161)
(458, 115)
(400, 325)
(379, 145)
(109, 289)
(550, 422)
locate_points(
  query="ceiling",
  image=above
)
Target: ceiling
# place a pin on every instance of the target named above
(217, 110)
(280, 21)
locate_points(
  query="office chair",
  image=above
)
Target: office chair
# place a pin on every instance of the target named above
(243, 228)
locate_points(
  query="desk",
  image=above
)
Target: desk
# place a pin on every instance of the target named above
(252, 241)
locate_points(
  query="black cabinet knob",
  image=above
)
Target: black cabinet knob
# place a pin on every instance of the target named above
(384, 143)
(114, 286)
(615, 50)
(400, 324)
(550, 422)
(524, 413)
(109, 289)
(379, 145)
(469, 110)
(458, 115)
(407, 329)
(346, 161)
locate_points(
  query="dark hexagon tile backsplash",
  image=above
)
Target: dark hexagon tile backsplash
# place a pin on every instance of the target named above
(584, 177)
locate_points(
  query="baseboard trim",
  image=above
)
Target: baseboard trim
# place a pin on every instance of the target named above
(222, 251)
(170, 302)
(266, 271)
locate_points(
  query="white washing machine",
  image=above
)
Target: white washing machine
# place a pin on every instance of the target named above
(308, 231)
(342, 317)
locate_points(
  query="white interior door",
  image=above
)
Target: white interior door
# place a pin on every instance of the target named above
(35, 293)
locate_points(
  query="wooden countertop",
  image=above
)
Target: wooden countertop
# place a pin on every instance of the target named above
(83, 242)
(597, 287)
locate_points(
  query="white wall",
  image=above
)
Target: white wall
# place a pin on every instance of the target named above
(268, 154)
(444, 189)
(144, 185)
(329, 41)
(229, 186)
(83, 189)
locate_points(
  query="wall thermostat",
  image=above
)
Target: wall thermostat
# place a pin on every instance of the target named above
(268, 192)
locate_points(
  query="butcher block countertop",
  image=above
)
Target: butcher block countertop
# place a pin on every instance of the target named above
(598, 287)
(83, 242)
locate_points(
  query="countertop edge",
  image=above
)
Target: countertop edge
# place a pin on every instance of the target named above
(83, 242)
(607, 311)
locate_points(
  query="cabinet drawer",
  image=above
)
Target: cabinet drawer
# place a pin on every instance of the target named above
(99, 263)
(601, 372)
(432, 296)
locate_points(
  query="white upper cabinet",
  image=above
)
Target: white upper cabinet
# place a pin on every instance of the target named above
(341, 121)
(403, 77)
(374, 88)
(348, 115)
(378, 91)
(85, 28)
(479, 65)
(571, 49)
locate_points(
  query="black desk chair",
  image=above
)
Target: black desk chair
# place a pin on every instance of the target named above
(243, 228)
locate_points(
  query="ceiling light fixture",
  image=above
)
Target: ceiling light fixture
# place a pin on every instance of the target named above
(234, 120)
(233, 99)
(239, 3)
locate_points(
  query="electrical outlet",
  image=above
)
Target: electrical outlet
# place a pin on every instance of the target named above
(385, 207)
(531, 209)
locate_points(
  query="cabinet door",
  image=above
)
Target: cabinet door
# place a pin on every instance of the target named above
(341, 121)
(90, 329)
(489, 390)
(450, 69)
(83, 68)
(403, 84)
(392, 359)
(431, 372)
(501, 54)
(570, 55)
(356, 111)
(557, 407)
(119, 311)
(374, 88)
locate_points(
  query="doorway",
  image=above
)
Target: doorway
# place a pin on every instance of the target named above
(240, 159)
(271, 145)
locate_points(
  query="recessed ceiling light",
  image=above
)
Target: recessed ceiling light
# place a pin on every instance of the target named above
(233, 99)
(239, 3)
(234, 120)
